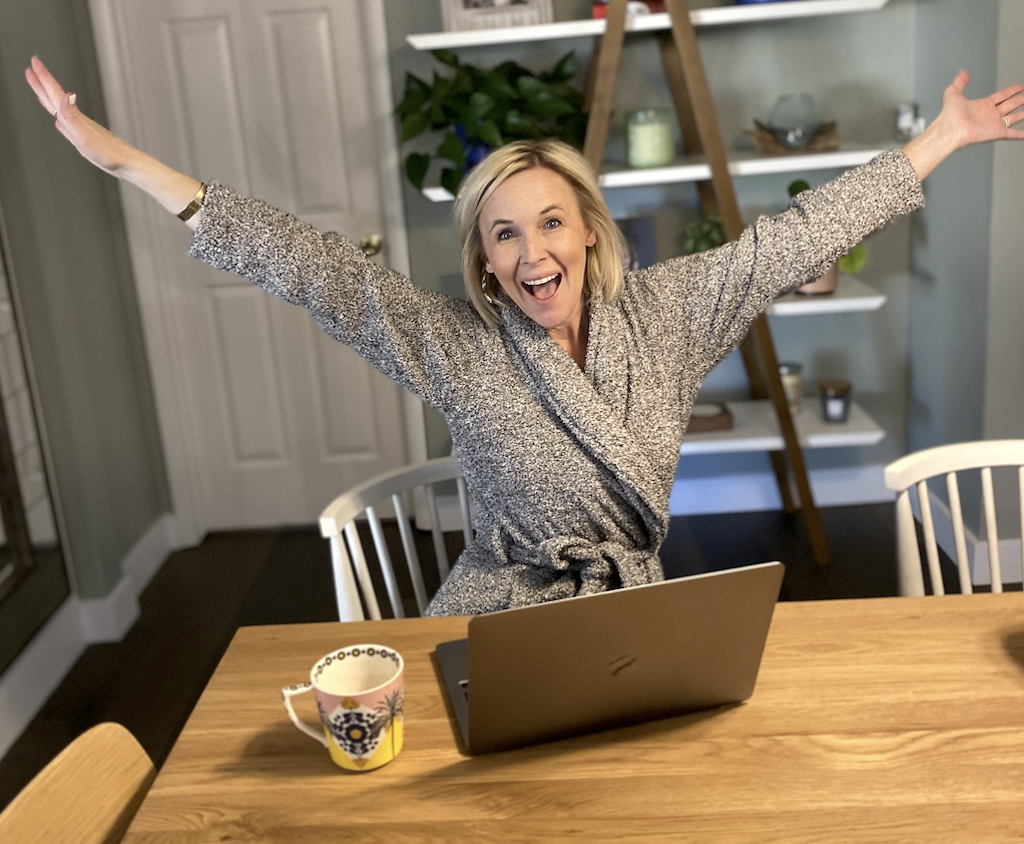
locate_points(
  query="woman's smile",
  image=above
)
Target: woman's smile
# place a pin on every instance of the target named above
(543, 288)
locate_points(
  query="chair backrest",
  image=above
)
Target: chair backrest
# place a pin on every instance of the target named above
(86, 795)
(914, 470)
(352, 583)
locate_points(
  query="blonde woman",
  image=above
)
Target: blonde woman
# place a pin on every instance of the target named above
(566, 386)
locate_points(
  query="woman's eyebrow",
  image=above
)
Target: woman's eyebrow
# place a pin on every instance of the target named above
(500, 223)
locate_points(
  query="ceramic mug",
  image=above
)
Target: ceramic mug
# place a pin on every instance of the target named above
(359, 692)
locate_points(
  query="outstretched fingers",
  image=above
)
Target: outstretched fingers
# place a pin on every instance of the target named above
(1006, 104)
(47, 89)
(1009, 98)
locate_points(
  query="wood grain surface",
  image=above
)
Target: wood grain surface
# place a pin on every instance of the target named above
(877, 720)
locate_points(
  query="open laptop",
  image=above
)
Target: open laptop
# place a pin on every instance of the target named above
(555, 670)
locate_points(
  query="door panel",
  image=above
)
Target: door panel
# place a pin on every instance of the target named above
(270, 97)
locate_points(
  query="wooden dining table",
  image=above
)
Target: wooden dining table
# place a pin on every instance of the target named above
(879, 720)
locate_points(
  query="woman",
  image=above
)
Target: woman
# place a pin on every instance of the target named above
(566, 387)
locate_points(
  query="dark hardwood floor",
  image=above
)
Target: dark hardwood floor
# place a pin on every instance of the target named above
(151, 680)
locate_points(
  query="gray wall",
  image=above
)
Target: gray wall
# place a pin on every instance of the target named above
(1004, 351)
(949, 292)
(74, 284)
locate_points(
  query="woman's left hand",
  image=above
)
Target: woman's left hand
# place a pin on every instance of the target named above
(963, 122)
(991, 118)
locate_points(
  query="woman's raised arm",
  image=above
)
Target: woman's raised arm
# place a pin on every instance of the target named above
(963, 122)
(173, 190)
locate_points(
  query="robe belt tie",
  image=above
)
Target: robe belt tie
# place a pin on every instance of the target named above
(580, 567)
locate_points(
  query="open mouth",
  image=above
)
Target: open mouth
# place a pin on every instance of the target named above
(542, 288)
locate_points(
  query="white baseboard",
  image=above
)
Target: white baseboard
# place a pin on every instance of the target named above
(107, 619)
(744, 493)
(30, 680)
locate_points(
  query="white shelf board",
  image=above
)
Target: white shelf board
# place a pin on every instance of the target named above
(744, 163)
(851, 294)
(756, 428)
(719, 16)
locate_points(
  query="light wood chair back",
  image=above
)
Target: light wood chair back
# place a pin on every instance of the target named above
(352, 583)
(914, 470)
(86, 795)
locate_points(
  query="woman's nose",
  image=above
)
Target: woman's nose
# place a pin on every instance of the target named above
(532, 249)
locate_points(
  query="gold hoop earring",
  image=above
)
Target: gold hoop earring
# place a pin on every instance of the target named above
(483, 287)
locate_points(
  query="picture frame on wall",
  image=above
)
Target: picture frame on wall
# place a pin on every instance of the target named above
(489, 14)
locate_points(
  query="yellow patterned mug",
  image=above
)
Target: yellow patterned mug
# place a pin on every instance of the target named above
(359, 692)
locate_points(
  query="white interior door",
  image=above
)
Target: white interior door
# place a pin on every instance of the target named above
(275, 98)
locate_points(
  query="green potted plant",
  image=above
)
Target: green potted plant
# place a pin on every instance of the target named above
(702, 234)
(473, 110)
(850, 264)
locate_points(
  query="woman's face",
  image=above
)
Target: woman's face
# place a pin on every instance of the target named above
(536, 244)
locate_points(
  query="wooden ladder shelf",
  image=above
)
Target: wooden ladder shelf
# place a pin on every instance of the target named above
(684, 72)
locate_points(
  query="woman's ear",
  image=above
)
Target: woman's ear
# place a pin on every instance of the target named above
(591, 237)
(488, 268)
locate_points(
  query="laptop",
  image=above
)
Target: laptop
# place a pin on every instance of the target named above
(563, 668)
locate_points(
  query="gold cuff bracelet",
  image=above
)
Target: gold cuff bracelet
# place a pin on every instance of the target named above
(189, 210)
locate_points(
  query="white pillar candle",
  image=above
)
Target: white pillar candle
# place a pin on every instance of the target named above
(649, 138)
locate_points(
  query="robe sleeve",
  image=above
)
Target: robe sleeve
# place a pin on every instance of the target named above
(709, 300)
(419, 338)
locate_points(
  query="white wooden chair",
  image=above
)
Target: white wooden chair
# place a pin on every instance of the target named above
(352, 582)
(86, 795)
(914, 470)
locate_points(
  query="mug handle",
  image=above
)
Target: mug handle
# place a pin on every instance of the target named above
(287, 694)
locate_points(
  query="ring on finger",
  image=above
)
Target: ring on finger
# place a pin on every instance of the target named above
(1006, 121)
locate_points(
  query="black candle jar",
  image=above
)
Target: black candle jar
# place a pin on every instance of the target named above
(835, 400)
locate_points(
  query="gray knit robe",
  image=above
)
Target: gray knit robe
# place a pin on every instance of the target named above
(569, 470)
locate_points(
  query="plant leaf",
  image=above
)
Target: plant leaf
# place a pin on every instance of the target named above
(442, 106)
(452, 149)
(544, 105)
(416, 168)
(417, 92)
(463, 83)
(450, 180)
(479, 106)
(447, 57)
(497, 86)
(574, 129)
(414, 124)
(490, 134)
(565, 69)
(529, 86)
(519, 125)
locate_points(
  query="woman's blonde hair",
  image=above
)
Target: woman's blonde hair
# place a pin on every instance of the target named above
(604, 259)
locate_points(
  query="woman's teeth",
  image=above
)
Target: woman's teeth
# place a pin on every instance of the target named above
(543, 288)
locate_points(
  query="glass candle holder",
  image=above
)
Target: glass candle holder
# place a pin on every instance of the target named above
(791, 375)
(649, 138)
(835, 400)
(795, 119)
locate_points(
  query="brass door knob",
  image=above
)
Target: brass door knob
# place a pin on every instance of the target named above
(371, 244)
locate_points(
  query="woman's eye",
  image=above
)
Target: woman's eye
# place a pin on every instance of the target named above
(505, 234)
(552, 223)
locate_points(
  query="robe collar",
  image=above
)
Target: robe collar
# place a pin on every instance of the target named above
(591, 404)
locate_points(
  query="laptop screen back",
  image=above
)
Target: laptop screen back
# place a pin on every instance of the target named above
(555, 670)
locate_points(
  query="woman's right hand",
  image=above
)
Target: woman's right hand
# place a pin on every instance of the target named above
(100, 146)
(96, 144)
